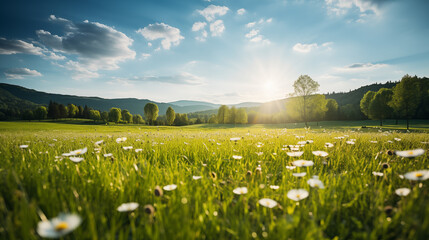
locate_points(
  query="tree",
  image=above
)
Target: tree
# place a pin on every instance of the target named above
(212, 119)
(137, 119)
(332, 112)
(406, 96)
(222, 114)
(171, 115)
(378, 107)
(127, 116)
(151, 112)
(366, 101)
(80, 115)
(28, 115)
(53, 110)
(115, 115)
(86, 112)
(181, 119)
(94, 115)
(73, 111)
(241, 117)
(105, 116)
(316, 107)
(63, 111)
(40, 113)
(304, 87)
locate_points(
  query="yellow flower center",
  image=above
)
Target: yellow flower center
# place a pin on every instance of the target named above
(316, 185)
(61, 226)
(297, 196)
(410, 153)
(419, 175)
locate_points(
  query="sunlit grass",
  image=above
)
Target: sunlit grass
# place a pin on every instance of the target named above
(354, 203)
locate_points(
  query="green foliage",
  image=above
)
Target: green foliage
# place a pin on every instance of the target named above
(151, 112)
(241, 116)
(171, 115)
(332, 109)
(316, 107)
(232, 114)
(94, 115)
(115, 115)
(137, 119)
(304, 86)
(73, 111)
(181, 119)
(378, 107)
(366, 101)
(63, 111)
(406, 97)
(223, 114)
(213, 119)
(105, 116)
(40, 113)
(127, 116)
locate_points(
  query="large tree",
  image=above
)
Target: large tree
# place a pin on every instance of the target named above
(232, 115)
(406, 97)
(222, 114)
(115, 115)
(127, 116)
(137, 119)
(40, 113)
(366, 101)
(304, 87)
(73, 111)
(332, 112)
(171, 115)
(241, 116)
(316, 107)
(378, 107)
(151, 112)
(94, 115)
(105, 116)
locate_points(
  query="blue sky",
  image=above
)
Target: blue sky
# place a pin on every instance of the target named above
(216, 51)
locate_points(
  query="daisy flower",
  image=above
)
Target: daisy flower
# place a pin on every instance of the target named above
(402, 191)
(236, 157)
(410, 153)
(320, 153)
(196, 177)
(274, 187)
(266, 202)
(240, 190)
(417, 175)
(79, 151)
(170, 187)
(76, 159)
(297, 194)
(299, 174)
(59, 226)
(235, 139)
(23, 146)
(295, 154)
(329, 145)
(314, 182)
(303, 163)
(121, 139)
(128, 207)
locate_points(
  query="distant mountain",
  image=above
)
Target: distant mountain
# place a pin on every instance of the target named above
(187, 103)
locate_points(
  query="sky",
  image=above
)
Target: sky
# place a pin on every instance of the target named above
(217, 51)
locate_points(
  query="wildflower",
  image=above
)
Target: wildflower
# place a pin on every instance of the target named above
(170, 187)
(158, 191)
(299, 174)
(79, 151)
(314, 182)
(350, 142)
(294, 154)
(320, 153)
(99, 142)
(235, 139)
(410, 153)
(76, 159)
(23, 146)
(59, 226)
(297, 194)
(108, 154)
(274, 187)
(266, 202)
(240, 190)
(402, 191)
(417, 175)
(302, 143)
(373, 141)
(397, 139)
(128, 148)
(303, 163)
(149, 209)
(290, 167)
(121, 139)
(196, 177)
(236, 157)
(390, 152)
(329, 145)
(128, 207)
(138, 150)
(378, 174)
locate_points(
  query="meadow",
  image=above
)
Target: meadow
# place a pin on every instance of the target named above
(207, 182)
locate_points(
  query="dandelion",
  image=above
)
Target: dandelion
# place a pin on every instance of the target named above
(329, 145)
(417, 175)
(59, 226)
(302, 163)
(121, 139)
(266, 202)
(128, 207)
(274, 187)
(314, 182)
(236, 157)
(320, 153)
(299, 174)
(295, 154)
(23, 146)
(196, 177)
(76, 159)
(378, 174)
(170, 187)
(410, 153)
(402, 192)
(297, 194)
(240, 190)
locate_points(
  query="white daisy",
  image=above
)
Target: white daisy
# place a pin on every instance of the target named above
(23, 146)
(377, 174)
(350, 142)
(320, 153)
(275, 187)
(314, 182)
(76, 159)
(138, 150)
(402, 191)
(295, 154)
(59, 226)
(108, 154)
(196, 177)
(128, 148)
(240, 190)
(235, 139)
(128, 207)
(303, 163)
(121, 139)
(266, 202)
(329, 145)
(99, 142)
(79, 151)
(297, 194)
(299, 174)
(170, 187)
(290, 167)
(417, 175)
(236, 157)
(410, 153)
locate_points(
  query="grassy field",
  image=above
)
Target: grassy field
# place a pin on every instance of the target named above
(358, 200)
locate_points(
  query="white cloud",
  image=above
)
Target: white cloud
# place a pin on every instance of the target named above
(198, 26)
(184, 78)
(212, 11)
(20, 73)
(269, 20)
(8, 47)
(241, 11)
(341, 7)
(203, 36)
(361, 67)
(217, 28)
(252, 33)
(251, 24)
(306, 48)
(146, 55)
(168, 34)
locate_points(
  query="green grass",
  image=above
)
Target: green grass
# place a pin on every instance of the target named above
(350, 207)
